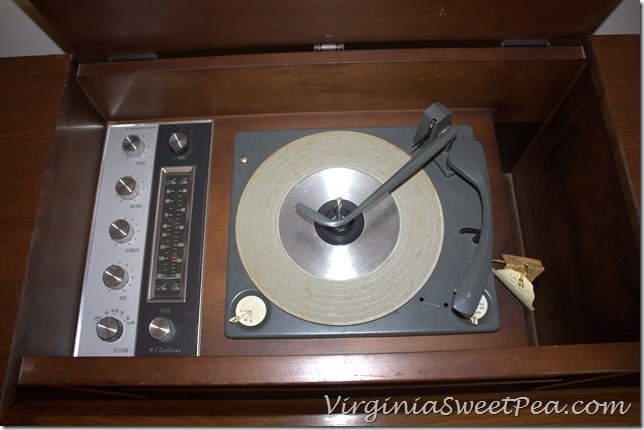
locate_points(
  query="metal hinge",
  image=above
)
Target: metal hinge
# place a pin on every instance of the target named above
(513, 43)
(328, 43)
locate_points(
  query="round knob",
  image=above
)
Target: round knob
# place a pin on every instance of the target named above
(133, 145)
(161, 329)
(178, 142)
(121, 231)
(250, 311)
(115, 277)
(127, 188)
(109, 329)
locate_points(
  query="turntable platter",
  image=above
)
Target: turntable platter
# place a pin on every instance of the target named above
(373, 275)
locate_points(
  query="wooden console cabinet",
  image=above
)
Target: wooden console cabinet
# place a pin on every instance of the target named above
(560, 124)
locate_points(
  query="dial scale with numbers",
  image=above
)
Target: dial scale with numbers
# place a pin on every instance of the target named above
(142, 286)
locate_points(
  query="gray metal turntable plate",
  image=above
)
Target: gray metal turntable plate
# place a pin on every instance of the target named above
(319, 282)
(397, 278)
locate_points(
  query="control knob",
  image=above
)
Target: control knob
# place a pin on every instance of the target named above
(121, 231)
(178, 142)
(127, 188)
(115, 277)
(109, 329)
(161, 329)
(133, 145)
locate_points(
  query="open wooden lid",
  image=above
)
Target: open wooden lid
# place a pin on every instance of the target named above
(109, 28)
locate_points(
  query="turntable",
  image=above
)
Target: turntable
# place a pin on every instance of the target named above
(343, 232)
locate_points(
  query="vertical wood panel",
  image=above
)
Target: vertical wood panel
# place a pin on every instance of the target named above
(615, 69)
(574, 218)
(32, 93)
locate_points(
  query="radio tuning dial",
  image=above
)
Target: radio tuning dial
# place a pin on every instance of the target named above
(178, 142)
(109, 329)
(161, 329)
(133, 145)
(127, 188)
(121, 231)
(115, 277)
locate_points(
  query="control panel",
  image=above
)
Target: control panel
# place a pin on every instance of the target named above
(141, 293)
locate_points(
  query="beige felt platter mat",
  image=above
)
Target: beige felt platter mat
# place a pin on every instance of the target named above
(332, 302)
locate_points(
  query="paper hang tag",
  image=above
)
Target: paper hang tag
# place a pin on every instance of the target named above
(530, 267)
(517, 275)
(518, 284)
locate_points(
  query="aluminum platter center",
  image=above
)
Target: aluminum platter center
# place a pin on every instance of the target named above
(374, 243)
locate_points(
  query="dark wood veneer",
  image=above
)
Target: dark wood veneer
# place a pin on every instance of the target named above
(589, 240)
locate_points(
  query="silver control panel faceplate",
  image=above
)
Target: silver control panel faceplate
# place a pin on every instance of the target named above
(115, 258)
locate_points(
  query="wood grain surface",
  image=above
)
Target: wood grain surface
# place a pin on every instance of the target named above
(256, 383)
(181, 27)
(516, 84)
(616, 73)
(32, 93)
(578, 407)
